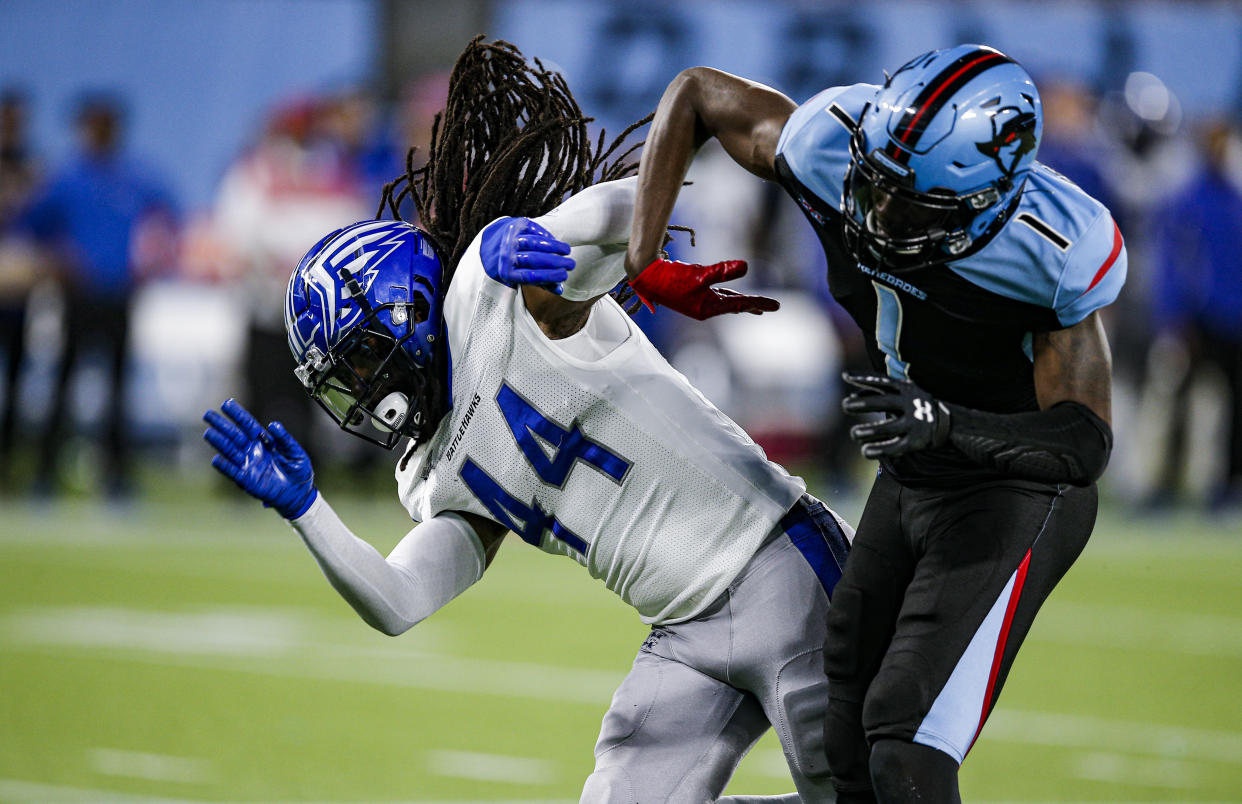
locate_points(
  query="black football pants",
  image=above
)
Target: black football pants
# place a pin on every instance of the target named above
(91, 322)
(939, 591)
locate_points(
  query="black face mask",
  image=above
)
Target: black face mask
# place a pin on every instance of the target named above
(887, 220)
(372, 388)
(896, 225)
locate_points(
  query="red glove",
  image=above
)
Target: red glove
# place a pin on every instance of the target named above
(687, 288)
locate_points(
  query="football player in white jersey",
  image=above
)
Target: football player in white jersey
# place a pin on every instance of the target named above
(532, 404)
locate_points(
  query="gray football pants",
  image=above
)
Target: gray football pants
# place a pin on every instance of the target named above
(702, 692)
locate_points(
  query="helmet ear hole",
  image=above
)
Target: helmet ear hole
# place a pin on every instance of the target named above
(420, 308)
(420, 299)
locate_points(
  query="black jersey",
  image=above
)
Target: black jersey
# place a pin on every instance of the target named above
(961, 330)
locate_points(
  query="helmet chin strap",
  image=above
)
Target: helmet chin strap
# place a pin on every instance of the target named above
(391, 411)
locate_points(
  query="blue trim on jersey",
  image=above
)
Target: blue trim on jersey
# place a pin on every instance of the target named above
(816, 533)
(1024, 264)
(526, 422)
(815, 142)
(1098, 284)
(1020, 263)
(888, 331)
(503, 507)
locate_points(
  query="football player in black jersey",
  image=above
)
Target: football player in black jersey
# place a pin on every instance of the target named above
(976, 274)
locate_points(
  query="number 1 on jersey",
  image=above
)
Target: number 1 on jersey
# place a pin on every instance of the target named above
(888, 330)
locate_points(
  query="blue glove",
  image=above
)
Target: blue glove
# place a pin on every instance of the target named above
(266, 463)
(518, 251)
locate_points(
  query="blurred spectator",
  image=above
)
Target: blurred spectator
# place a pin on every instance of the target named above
(90, 217)
(1198, 301)
(1144, 162)
(274, 203)
(18, 177)
(1146, 165)
(421, 100)
(351, 122)
(1071, 144)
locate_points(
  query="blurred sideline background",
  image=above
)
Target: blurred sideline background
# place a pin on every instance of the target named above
(164, 165)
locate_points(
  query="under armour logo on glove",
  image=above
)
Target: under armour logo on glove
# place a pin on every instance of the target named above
(913, 420)
(687, 288)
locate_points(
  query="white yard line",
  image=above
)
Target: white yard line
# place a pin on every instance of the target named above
(1141, 629)
(483, 677)
(228, 631)
(1097, 733)
(490, 767)
(272, 642)
(1173, 774)
(155, 767)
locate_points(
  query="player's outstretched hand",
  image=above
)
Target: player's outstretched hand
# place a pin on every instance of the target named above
(687, 288)
(518, 251)
(913, 420)
(267, 463)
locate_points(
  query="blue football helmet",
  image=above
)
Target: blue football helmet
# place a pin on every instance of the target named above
(939, 157)
(365, 324)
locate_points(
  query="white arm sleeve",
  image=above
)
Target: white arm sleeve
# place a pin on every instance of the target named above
(434, 563)
(596, 225)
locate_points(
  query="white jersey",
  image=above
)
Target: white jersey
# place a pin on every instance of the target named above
(614, 460)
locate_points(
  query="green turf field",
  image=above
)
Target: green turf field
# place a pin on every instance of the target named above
(192, 652)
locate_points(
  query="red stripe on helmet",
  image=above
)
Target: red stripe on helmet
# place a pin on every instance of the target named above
(927, 104)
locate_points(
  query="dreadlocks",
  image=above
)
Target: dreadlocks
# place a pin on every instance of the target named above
(510, 141)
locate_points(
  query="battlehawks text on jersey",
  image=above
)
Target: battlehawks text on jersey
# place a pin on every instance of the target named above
(618, 463)
(961, 330)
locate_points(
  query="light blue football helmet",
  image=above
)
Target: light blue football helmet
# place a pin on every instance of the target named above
(365, 323)
(939, 157)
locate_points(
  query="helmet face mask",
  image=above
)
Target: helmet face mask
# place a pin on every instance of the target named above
(364, 319)
(353, 381)
(939, 157)
(900, 226)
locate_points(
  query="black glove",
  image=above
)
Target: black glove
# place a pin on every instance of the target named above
(913, 420)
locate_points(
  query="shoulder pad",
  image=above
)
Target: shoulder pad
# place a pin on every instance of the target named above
(816, 139)
(1060, 250)
(1093, 273)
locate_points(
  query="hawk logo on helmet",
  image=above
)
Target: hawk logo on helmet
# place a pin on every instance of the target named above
(363, 316)
(1013, 137)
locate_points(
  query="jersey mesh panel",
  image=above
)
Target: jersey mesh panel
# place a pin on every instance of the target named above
(706, 531)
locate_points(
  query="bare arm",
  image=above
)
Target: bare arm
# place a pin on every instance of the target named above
(746, 117)
(557, 316)
(700, 103)
(1075, 365)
